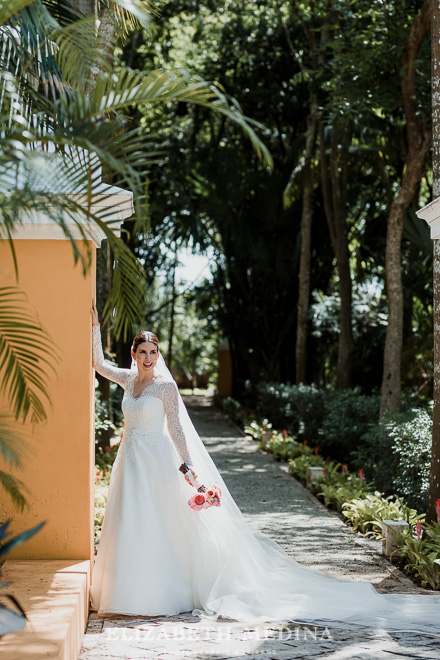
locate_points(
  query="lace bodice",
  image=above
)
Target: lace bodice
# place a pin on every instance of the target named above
(155, 408)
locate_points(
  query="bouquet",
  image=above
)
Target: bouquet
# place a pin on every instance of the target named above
(204, 500)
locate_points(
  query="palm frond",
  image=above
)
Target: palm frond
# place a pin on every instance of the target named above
(13, 446)
(14, 449)
(14, 487)
(125, 302)
(130, 88)
(58, 140)
(132, 13)
(22, 336)
(9, 8)
(78, 52)
(7, 546)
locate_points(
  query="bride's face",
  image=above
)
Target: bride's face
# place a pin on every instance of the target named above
(146, 356)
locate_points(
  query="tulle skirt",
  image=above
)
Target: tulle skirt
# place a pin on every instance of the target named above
(157, 556)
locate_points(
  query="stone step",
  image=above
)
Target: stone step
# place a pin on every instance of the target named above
(54, 594)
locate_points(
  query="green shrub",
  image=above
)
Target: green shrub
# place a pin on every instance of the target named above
(230, 406)
(236, 411)
(298, 466)
(348, 416)
(334, 420)
(337, 487)
(256, 429)
(299, 408)
(334, 495)
(411, 446)
(421, 555)
(102, 421)
(366, 514)
(396, 453)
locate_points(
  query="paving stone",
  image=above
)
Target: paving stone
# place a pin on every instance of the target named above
(275, 503)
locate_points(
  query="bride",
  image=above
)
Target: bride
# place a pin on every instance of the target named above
(159, 556)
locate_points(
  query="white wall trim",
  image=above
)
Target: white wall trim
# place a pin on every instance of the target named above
(114, 208)
(431, 214)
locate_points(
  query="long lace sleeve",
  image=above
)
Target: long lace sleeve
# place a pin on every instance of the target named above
(103, 367)
(171, 406)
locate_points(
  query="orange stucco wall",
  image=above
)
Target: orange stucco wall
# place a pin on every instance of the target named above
(60, 470)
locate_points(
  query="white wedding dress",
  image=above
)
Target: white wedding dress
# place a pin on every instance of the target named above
(157, 556)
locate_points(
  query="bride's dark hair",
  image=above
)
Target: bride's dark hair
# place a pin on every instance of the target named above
(143, 336)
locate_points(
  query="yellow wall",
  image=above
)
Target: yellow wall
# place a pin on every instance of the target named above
(60, 470)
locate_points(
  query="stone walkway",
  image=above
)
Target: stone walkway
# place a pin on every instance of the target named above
(277, 504)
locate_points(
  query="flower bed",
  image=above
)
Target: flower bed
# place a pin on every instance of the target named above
(361, 505)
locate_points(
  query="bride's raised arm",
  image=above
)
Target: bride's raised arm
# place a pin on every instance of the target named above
(101, 365)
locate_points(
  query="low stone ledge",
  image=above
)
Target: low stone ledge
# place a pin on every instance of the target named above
(390, 532)
(55, 595)
(314, 473)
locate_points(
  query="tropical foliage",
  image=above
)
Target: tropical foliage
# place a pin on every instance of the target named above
(10, 620)
(65, 131)
(322, 270)
(357, 501)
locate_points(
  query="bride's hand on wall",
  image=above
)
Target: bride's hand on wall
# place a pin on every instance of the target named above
(94, 313)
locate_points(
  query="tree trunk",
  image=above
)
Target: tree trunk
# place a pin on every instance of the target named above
(172, 311)
(335, 205)
(434, 479)
(418, 147)
(304, 263)
(346, 341)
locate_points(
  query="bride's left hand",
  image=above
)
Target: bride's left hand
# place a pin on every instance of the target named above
(94, 313)
(193, 479)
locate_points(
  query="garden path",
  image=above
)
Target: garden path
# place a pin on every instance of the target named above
(277, 504)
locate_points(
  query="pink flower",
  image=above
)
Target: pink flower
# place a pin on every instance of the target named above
(419, 530)
(344, 468)
(197, 501)
(98, 476)
(315, 449)
(437, 509)
(361, 475)
(213, 496)
(284, 433)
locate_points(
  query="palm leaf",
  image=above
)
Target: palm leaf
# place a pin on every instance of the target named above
(16, 540)
(130, 14)
(112, 95)
(12, 445)
(73, 137)
(26, 351)
(126, 299)
(14, 487)
(9, 8)
(13, 449)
